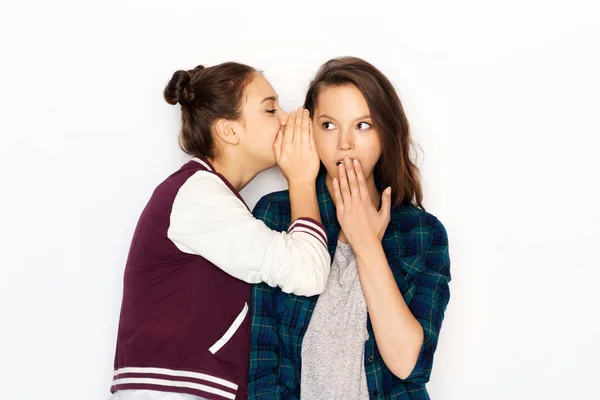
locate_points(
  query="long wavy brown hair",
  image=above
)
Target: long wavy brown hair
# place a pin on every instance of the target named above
(395, 167)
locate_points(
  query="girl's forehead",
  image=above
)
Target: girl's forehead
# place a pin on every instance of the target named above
(259, 88)
(343, 100)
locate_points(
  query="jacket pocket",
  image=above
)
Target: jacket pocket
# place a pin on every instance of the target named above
(231, 331)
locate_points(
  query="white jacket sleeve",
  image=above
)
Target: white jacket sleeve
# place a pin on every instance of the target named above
(209, 220)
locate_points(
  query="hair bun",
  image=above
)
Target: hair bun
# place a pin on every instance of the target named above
(178, 89)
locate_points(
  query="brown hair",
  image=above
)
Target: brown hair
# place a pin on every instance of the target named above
(395, 167)
(205, 95)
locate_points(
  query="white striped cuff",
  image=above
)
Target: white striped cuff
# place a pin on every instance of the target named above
(310, 226)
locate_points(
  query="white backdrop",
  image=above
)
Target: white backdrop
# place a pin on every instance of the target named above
(503, 98)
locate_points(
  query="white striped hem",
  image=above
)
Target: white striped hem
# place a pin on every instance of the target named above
(176, 373)
(177, 384)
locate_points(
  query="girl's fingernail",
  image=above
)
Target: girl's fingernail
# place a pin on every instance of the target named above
(355, 161)
(388, 191)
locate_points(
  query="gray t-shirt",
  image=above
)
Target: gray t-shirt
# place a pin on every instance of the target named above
(334, 344)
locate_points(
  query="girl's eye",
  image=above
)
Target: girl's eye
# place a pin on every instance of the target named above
(273, 111)
(363, 126)
(327, 126)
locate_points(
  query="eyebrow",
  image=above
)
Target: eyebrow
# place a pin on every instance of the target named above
(356, 119)
(271, 98)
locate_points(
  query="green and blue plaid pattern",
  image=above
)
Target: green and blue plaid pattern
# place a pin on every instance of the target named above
(416, 246)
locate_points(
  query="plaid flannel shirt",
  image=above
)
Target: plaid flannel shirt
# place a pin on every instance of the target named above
(416, 246)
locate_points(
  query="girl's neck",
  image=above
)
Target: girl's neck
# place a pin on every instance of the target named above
(237, 173)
